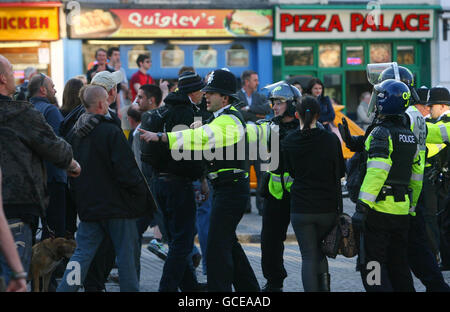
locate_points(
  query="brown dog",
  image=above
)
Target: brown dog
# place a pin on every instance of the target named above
(46, 255)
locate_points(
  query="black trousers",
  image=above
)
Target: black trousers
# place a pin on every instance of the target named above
(386, 267)
(421, 259)
(227, 263)
(428, 203)
(275, 222)
(444, 225)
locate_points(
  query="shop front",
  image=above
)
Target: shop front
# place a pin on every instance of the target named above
(203, 38)
(29, 35)
(335, 43)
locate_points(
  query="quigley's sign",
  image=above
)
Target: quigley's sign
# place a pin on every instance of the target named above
(351, 24)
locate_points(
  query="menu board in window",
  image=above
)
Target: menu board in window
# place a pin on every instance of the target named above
(172, 58)
(298, 56)
(133, 55)
(405, 54)
(329, 55)
(380, 53)
(237, 58)
(205, 58)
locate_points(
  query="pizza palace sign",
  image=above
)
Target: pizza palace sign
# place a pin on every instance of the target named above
(351, 24)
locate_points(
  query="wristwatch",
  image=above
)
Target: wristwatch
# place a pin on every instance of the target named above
(159, 135)
(18, 275)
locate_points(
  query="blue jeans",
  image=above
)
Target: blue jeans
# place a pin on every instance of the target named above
(22, 235)
(202, 222)
(175, 197)
(124, 236)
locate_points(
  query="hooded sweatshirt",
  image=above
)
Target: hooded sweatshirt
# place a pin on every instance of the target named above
(314, 159)
(26, 140)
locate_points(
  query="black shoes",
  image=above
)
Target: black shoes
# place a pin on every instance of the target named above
(271, 288)
(196, 260)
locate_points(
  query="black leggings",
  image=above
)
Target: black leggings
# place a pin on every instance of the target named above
(310, 230)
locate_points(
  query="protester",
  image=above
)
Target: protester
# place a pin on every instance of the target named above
(110, 195)
(9, 252)
(314, 159)
(23, 154)
(22, 89)
(41, 90)
(172, 184)
(122, 89)
(254, 106)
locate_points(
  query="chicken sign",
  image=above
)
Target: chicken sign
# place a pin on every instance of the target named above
(349, 24)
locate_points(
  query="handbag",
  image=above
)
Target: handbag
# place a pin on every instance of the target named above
(341, 239)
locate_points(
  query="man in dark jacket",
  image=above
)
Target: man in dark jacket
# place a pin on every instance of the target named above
(26, 140)
(172, 184)
(109, 195)
(253, 106)
(42, 95)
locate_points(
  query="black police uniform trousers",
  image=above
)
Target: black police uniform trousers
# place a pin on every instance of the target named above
(444, 226)
(275, 222)
(227, 263)
(386, 241)
(420, 257)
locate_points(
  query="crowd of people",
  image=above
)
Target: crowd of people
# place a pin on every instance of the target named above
(120, 156)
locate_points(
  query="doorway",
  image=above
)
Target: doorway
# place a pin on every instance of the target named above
(356, 85)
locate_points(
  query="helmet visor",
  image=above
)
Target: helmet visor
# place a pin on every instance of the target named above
(372, 103)
(415, 96)
(374, 71)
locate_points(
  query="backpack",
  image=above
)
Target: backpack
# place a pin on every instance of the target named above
(156, 154)
(356, 169)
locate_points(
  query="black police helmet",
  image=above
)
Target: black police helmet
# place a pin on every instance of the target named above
(221, 81)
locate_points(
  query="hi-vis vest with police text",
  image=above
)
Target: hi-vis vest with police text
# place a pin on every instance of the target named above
(222, 142)
(392, 154)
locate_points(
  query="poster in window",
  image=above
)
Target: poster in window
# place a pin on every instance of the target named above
(237, 58)
(172, 58)
(205, 58)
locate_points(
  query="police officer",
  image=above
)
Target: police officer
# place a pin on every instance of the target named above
(276, 212)
(221, 141)
(384, 201)
(439, 102)
(420, 257)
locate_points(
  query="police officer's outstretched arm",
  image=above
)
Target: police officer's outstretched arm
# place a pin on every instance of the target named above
(353, 143)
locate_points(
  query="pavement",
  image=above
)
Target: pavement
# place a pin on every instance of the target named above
(344, 278)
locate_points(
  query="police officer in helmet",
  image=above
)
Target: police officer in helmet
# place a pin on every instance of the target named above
(276, 212)
(385, 196)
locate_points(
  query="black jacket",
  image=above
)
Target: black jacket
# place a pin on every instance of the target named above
(111, 184)
(314, 159)
(178, 111)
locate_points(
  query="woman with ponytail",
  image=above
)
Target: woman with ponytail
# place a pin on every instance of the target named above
(314, 159)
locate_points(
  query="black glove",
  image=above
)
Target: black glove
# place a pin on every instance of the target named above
(360, 215)
(350, 141)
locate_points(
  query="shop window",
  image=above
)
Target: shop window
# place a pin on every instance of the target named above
(172, 56)
(355, 55)
(134, 54)
(329, 55)
(332, 83)
(205, 56)
(298, 56)
(380, 53)
(405, 54)
(237, 56)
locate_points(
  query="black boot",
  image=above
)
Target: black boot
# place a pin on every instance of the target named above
(324, 282)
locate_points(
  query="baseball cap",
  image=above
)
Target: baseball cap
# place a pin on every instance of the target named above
(107, 79)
